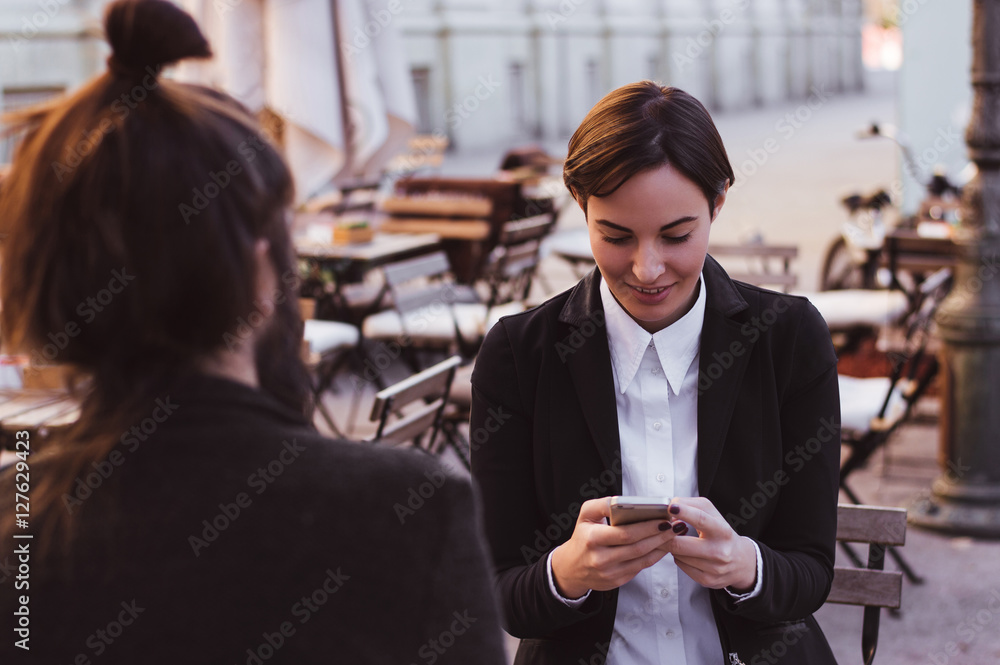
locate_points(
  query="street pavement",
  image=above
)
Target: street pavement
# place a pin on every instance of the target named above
(794, 163)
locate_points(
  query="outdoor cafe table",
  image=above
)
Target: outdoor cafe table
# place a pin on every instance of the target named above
(351, 263)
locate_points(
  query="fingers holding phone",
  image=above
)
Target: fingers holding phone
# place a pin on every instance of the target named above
(602, 556)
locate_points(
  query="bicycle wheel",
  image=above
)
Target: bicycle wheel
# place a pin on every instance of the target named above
(840, 270)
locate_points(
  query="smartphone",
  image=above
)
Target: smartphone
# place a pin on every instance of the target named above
(631, 509)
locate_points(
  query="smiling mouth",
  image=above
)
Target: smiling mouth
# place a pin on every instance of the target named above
(650, 291)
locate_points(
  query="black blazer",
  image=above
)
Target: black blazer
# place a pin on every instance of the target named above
(545, 439)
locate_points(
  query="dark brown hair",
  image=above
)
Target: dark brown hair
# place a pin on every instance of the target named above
(640, 126)
(154, 193)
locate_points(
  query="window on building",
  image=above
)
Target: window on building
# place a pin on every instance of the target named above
(518, 97)
(422, 92)
(594, 87)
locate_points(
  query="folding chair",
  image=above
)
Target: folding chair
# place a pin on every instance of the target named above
(412, 409)
(431, 312)
(514, 261)
(873, 408)
(327, 346)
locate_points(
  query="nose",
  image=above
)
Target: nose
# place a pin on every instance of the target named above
(647, 265)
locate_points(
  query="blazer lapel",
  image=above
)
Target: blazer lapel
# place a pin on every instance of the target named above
(585, 351)
(720, 371)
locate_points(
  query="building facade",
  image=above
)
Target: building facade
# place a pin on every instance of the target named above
(488, 72)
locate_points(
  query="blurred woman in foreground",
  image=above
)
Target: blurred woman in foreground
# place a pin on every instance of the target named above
(194, 514)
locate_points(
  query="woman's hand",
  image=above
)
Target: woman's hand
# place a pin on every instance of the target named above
(718, 557)
(603, 557)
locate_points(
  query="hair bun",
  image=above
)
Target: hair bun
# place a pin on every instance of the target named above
(151, 33)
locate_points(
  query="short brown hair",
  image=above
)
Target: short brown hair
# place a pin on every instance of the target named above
(640, 126)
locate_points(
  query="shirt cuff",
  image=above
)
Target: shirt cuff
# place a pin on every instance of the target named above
(757, 585)
(572, 602)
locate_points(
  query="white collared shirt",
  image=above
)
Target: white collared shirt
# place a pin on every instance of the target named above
(663, 615)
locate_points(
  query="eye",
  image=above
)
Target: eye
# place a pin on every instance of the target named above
(615, 240)
(676, 240)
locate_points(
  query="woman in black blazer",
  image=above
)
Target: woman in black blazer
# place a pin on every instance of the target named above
(753, 423)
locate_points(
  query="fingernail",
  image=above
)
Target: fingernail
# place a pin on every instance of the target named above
(680, 527)
(674, 509)
(664, 526)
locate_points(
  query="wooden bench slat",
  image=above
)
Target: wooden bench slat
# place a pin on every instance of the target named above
(871, 524)
(776, 251)
(759, 278)
(860, 586)
(412, 425)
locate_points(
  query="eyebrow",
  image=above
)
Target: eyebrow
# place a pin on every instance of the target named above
(665, 227)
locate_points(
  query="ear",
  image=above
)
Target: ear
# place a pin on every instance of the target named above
(719, 200)
(266, 281)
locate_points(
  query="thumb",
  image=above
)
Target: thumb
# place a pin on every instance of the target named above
(595, 510)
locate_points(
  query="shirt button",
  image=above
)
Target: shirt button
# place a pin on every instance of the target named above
(660, 477)
(656, 370)
(657, 425)
(665, 593)
(670, 633)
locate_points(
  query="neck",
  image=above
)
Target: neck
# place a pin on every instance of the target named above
(238, 365)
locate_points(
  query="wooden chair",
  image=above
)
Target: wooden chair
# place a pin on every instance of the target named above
(326, 347)
(871, 586)
(428, 391)
(515, 259)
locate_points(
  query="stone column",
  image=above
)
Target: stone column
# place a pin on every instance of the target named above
(965, 499)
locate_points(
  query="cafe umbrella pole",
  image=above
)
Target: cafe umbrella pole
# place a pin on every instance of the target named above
(965, 498)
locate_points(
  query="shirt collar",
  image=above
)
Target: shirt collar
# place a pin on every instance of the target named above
(676, 345)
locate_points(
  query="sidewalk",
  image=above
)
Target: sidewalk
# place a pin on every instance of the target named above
(793, 164)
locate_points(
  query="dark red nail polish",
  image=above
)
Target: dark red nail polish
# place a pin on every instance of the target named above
(663, 526)
(680, 527)
(674, 509)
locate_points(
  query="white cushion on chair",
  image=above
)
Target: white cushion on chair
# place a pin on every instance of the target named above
(436, 323)
(861, 399)
(851, 308)
(326, 336)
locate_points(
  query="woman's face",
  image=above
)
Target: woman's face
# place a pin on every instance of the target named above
(649, 239)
